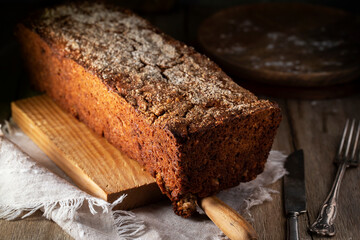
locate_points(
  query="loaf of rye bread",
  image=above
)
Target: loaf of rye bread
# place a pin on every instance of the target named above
(154, 98)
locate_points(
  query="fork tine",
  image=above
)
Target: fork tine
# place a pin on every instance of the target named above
(343, 138)
(348, 144)
(353, 158)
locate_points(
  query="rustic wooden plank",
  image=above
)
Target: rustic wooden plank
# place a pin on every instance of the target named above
(318, 126)
(34, 227)
(303, 218)
(91, 162)
(269, 218)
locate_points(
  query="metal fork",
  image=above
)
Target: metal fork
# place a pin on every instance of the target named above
(347, 156)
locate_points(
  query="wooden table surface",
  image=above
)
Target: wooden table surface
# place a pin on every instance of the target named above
(314, 126)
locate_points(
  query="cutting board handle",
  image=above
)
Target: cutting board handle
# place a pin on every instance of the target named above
(227, 219)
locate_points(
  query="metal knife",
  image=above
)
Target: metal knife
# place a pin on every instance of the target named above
(294, 192)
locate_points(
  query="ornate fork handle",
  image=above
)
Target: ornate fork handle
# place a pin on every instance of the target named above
(324, 224)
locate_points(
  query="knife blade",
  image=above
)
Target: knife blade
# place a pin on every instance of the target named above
(294, 192)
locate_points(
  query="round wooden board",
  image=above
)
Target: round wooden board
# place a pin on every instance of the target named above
(286, 44)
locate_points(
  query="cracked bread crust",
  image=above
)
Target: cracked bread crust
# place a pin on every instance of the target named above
(165, 80)
(154, 98)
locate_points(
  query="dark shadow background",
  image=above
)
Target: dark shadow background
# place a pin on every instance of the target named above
(178, 18)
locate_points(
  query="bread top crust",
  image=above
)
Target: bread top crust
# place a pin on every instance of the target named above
(169, 83)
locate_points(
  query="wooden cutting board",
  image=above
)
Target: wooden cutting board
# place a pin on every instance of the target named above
(88, 159)
(100, 169)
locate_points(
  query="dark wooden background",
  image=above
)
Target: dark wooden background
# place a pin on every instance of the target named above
(178, 18)
(314, 126)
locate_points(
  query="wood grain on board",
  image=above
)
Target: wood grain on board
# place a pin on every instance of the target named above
(91, 162)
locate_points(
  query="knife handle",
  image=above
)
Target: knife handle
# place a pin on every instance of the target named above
(292, 226)
(227, 219)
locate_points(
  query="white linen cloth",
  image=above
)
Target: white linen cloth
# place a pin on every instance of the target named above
(31, 183)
